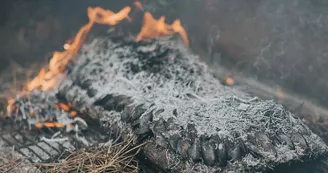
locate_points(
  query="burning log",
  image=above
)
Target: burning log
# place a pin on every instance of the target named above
(159, 92)
(156, 91)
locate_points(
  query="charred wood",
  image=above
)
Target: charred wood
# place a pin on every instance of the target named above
(161, 93)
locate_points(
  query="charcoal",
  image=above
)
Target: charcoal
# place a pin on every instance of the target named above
(138, 111)
(182, 147)
(146, 119)
(164, 159)
(302, 129)
(86, 84)
(171, 125)
(194, 151)
(173, 141)
(221, 154)
(236, 151)
(143, 129)
(254, 150)
(208, 153)
(263, 140)
(161, 141)
(158, 112)
(175, 112)
(126, 113)
(158, 126)
(92, 92)
(299, 140)
(143, 123)
(191, 132)
(285, 140)
(111, 102)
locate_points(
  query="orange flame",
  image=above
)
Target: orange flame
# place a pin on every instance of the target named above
(153, 28)
(139, 5)
(46, 80)
(107, 17)
(37, 81)
(176, 26)
(79, 38)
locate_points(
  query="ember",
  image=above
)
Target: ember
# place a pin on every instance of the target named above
(229, 81)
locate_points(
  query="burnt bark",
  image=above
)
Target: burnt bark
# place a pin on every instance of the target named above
(159, 91)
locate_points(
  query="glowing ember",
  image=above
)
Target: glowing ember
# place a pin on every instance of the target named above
(49, 125)
(229, 81)
(64, 106)
(153, 28)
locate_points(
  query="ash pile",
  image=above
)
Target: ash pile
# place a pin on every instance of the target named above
(160, 93)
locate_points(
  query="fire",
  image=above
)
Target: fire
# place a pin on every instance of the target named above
(51, 76)
(107, 17)
(153, 28)
(48, 78)
(79, 38)
(139, 5)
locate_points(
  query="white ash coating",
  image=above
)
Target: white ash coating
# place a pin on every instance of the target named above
(199, 98)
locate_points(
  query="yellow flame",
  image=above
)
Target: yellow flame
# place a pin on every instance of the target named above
(153, 28)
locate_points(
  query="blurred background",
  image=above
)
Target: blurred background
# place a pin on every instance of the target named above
(278, 43)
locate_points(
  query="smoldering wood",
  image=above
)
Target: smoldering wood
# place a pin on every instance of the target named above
(160, 92)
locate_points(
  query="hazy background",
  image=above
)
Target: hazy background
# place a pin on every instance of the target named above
(278, 42)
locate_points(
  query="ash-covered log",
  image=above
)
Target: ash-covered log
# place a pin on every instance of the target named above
(159, 92)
